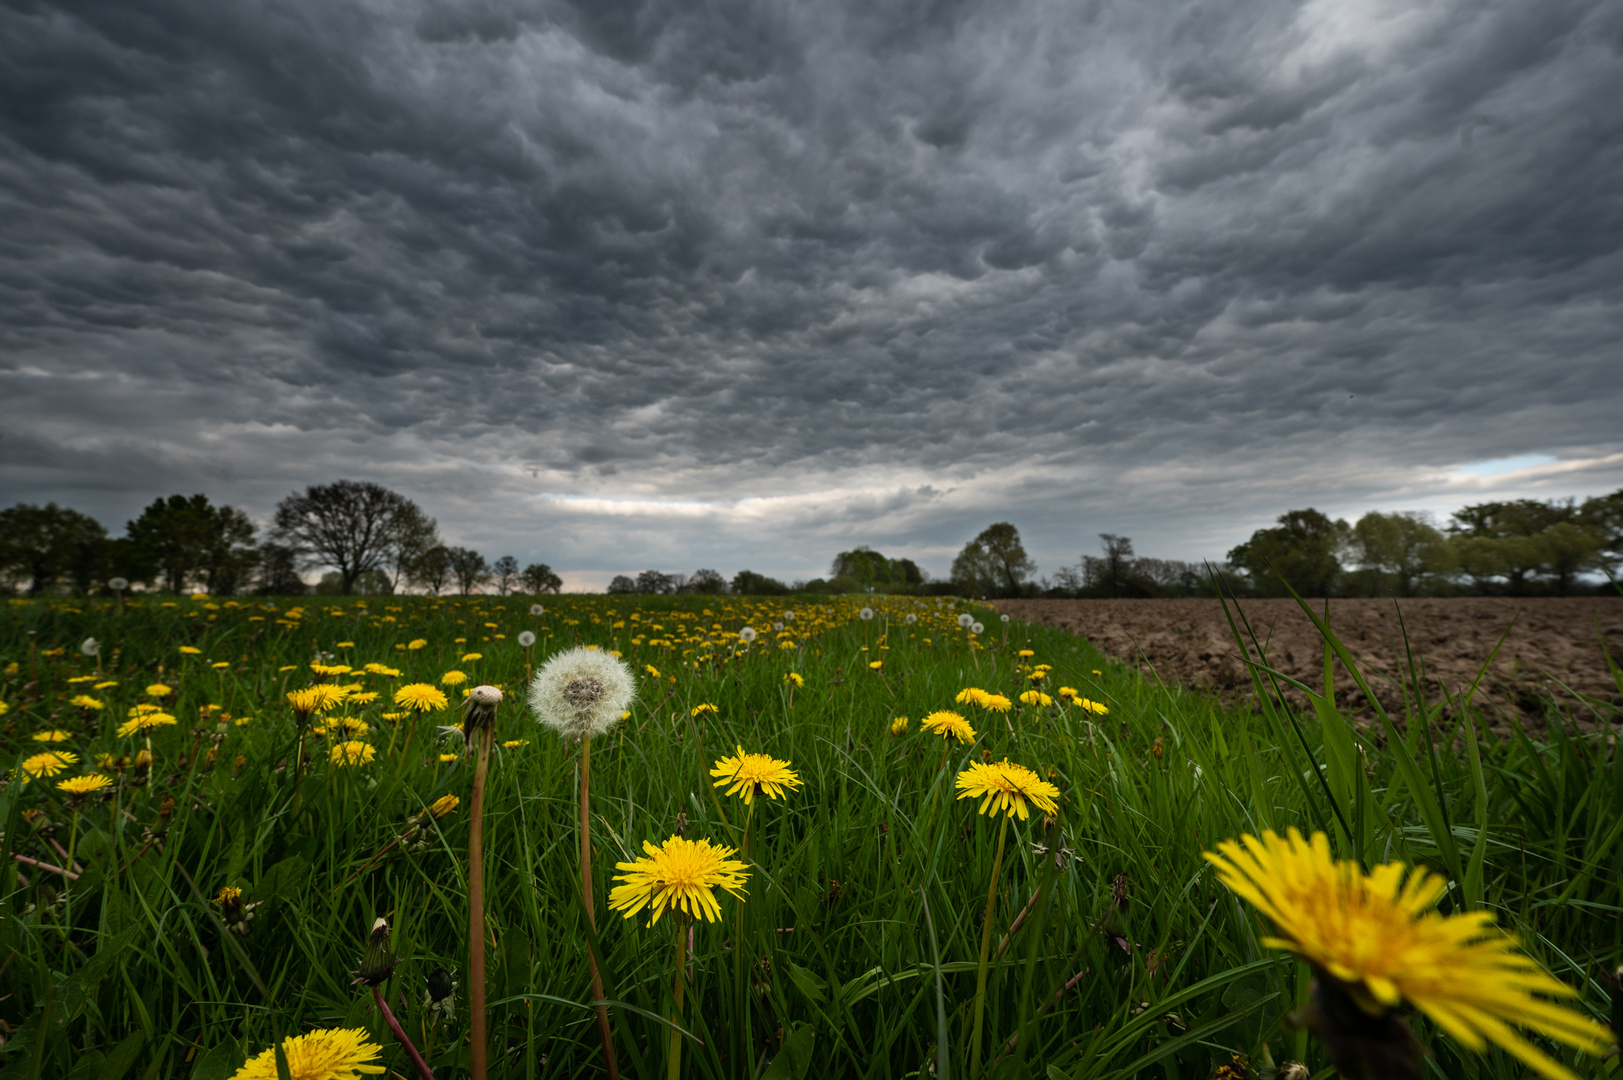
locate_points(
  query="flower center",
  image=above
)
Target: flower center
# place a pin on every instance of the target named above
(583, 693)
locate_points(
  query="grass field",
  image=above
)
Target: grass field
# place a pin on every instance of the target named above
(855, 953)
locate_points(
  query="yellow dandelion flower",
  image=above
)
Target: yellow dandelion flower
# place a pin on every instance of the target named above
(143, 707)
(876, 664)
(364, 698)
(948, 725)
(995, 703)
(159, 690)
(1379, 936)
(1095, 707)
(700, 710)
(144, 723)
(753, 774)
(1096, 671)
(345, 645)
(446, 759)
(330, 1054)
(190, 650)
(220, 665)
(443, 805)
(417, 644)
(1038, 675)
(682, 874)
(653, 672)
(353, 752)
(468, 658)
(453, 678)
(1068, 692)
(420, 697)
(1008, 788)
(48, 763)
(85, 701)
(795, 680)
(53, 735)
(395, 717)
(970, 695)
(105, 685)
(1026, 654)
(1036, 697)
(229, 894)
(84, 785)
(514, 744)
(382, 669)
(898, 726)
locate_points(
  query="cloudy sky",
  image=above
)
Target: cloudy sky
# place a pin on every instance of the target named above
(741, 283)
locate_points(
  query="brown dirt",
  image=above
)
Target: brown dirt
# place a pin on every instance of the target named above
(1554, 649)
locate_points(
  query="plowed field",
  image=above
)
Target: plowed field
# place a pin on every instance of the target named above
(1554, 650)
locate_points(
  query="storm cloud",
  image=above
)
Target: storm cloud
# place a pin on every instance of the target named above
(618, 284)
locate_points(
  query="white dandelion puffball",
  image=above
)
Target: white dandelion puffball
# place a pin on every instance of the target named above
(788, 616)
(118, 584)
(526, 638)
(537, 610)
(965, 620)
(866, 614)
(778, 626)
(581, 692)
(976, 628)
(747, 634)
(90, 647)
(1005, 618)
(911, 619)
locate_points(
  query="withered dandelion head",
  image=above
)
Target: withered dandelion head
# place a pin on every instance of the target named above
(753, 774)
(1004, 787)
(681, 874)
(581, 692)
(948, 725)
(330, 1054)
(1377, 939)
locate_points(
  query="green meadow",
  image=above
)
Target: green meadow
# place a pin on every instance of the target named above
(1116, 952)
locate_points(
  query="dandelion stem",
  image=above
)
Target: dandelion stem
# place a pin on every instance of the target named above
(986, 941)
(476, 906)
(401, 1037)
(609, 1060)
(674, 1071)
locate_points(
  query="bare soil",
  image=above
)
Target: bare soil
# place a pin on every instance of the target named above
(1554, 650)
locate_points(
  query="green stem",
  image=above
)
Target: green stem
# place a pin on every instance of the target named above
(609, 1060)
(674, 1072)
(986, 941)
(476, 908)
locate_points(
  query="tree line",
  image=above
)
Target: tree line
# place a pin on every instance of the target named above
(377, 541)
(373, 539)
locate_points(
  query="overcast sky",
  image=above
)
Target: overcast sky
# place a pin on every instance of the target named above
(618, 285)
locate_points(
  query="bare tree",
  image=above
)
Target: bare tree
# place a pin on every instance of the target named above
(352, 526)
(504, 572)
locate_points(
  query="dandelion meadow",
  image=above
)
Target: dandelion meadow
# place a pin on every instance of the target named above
(723, 836)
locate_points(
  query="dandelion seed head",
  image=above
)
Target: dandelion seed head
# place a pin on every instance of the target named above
(537, 610)
(966, 620)
(526, 638)
(581, 692)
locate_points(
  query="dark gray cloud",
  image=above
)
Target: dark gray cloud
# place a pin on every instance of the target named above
(614, 283)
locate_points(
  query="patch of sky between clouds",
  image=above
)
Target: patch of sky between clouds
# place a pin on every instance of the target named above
(1501, 466)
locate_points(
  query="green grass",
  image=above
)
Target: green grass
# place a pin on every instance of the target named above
(862, 926)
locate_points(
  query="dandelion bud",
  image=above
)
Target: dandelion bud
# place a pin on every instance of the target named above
(1293, 1070)
(440, 996)
(377, 964)
(479, 709)
(526, 638)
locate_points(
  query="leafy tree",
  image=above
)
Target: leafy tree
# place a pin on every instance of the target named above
(1115, 573)
(279, 571)
(413, 534)
(654, 583)
(179, 537)
(1567, 550)
(46, 544)
(1603, 516)
(749, 583)
(865, 568)
(622, 585)
(538, 578)
(352, 526)
(706, 582)
(1304, 548)
(470, 569)
(995, 563)
(504, 572)
(1514, 528)
(1405, 546)
(432, 569)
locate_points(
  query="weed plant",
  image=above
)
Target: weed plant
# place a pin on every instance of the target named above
(855, 953)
